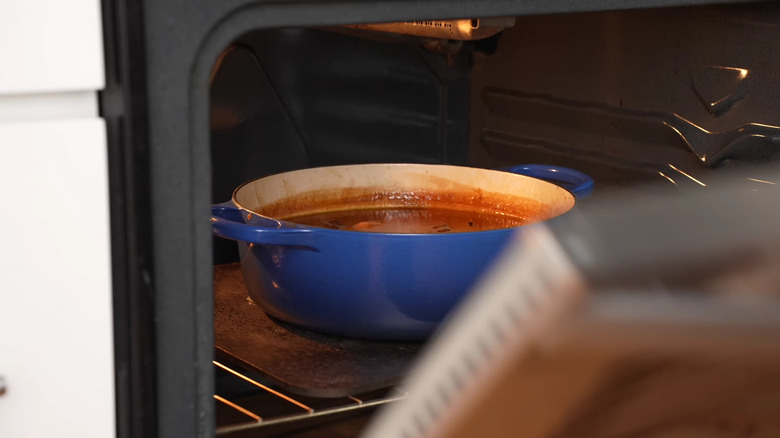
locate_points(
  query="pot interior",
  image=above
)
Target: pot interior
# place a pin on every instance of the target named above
(403, 186)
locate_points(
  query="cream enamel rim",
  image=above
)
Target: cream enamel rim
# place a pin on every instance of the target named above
(558, 198)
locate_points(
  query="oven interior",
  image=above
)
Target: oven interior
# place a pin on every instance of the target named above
(663, 97)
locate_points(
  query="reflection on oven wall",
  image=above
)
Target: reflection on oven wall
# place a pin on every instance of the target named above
(631, 97)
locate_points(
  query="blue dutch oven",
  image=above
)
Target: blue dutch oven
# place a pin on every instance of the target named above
(377, 285)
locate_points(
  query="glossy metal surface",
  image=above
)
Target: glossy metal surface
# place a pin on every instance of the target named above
(671, 95)
(366, 285)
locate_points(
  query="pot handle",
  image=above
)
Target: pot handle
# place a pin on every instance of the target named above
(579, 184)
(226, 221)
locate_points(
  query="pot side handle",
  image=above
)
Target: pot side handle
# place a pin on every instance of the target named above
(226, 221)
(579, 184)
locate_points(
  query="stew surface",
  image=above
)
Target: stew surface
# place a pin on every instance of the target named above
(409, 220)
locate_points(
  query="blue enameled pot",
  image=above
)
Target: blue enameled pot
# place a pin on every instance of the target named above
(377, 285)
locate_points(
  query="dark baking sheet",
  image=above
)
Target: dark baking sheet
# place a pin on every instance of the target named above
(296, 359)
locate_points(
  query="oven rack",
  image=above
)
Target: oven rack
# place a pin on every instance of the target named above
(245, 404)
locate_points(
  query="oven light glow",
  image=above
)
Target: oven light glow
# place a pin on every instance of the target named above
(260, 385)
(238, 408)
(670, 180)
(690, 177)
(761, 181)
(742, 73)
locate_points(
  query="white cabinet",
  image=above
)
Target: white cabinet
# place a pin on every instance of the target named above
(56, 331)
(56, 334)
(50, 45)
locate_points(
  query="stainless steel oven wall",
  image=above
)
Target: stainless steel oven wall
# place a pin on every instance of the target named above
(662, 95)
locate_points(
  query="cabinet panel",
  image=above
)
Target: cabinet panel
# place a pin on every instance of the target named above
(50, 45)
(56, 334)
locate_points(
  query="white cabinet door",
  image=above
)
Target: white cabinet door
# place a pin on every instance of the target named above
(50, 46)
(56, 341)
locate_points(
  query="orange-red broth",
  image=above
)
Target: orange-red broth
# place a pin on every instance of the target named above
(409, 220)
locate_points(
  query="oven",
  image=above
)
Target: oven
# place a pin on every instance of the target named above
(668, 105)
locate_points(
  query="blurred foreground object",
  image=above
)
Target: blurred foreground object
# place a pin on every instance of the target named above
(641, 315)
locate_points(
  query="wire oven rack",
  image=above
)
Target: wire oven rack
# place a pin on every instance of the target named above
(272, 378)
(245, 404)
